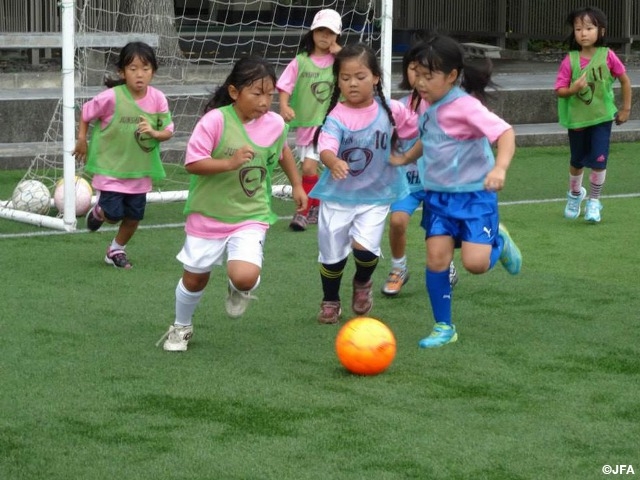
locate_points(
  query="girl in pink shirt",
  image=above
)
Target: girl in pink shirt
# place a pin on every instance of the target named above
(130, 120)
(460, 174)
(305, 88)
(231, 155)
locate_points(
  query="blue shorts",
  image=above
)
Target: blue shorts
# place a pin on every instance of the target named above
(590, 146)
(116, 205)
(408, 204)
(464, 216)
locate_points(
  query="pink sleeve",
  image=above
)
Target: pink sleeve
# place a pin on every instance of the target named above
(467, 118)
(205, 137)
(102, 107)
(563, 79)
(406, 120)
(616, 67)
(287, 80)
(328, 142)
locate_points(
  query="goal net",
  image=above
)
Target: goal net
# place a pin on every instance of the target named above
(196, 43)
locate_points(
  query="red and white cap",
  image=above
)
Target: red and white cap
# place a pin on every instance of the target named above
(328, 18)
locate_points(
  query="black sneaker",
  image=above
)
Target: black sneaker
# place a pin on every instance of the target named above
(298, 223)
(117, 258)
(93, 222)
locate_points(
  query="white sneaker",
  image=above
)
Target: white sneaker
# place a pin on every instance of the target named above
(572, 209)
(237, 302)
(177, 338)
(592, 210)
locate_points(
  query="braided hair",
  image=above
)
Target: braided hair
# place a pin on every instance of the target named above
(367, 56)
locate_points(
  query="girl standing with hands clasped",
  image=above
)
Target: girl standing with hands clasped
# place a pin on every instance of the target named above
(460, 174)
(131, 119)
(305, 88)
(358, 183)
(586, 107)
(231, 155)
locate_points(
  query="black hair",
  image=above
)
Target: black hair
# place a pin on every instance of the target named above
(416, 39)
(442, 53)
(128, 54)
(597, 17)
(246, 71)
(368, 57)
(307, 45)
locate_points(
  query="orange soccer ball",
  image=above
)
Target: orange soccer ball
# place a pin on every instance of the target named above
(365, 346)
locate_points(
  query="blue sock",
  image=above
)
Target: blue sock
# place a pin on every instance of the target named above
(496, 251)
(439, 290)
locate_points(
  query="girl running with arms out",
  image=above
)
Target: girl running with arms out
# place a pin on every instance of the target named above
(231, 155)
(460, 175)
(130, 120)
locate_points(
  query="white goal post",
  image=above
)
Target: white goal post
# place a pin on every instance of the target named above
(196, 42)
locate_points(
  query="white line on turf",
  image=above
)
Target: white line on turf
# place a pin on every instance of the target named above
(45, 233)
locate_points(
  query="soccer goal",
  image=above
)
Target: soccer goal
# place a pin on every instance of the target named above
(197, 42)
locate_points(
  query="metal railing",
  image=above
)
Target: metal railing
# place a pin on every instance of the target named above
(520, 20)
(494, 20)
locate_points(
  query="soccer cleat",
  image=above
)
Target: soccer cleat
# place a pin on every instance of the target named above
(298, 223)
(511, 258)
(442, 334)
(176, 338)
(592, 210)
(330, 313)
(572, 209)
(237, 302)
(312, 216)
(362, 298)
(93, 218)
(453, 275)
(395, 280)
(117, 258)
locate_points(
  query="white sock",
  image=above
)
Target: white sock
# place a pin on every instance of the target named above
(116, 246)
(186, 303)
(400, 263)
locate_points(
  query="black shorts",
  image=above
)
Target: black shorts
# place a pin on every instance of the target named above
(590, 146)
(116, 205)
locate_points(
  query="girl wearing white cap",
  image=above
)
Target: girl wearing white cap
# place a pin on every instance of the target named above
(305, 88)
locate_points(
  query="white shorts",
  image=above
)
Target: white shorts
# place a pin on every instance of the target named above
(340, 225)
(199, 255)
(308, 151)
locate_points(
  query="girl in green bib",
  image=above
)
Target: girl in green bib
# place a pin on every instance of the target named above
(129, 120)
(231, 155)
(586, 107)
(305, 89)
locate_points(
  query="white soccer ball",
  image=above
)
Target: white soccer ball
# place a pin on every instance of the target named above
(284, 192)
(84, 192)
(31, 196)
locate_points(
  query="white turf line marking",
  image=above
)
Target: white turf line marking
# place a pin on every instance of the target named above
(45, 233)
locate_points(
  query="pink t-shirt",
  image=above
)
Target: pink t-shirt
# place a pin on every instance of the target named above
(616, 67)
(102, 107)
(467, 118)
(263, 131)
(287, 82)
(359, 118)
